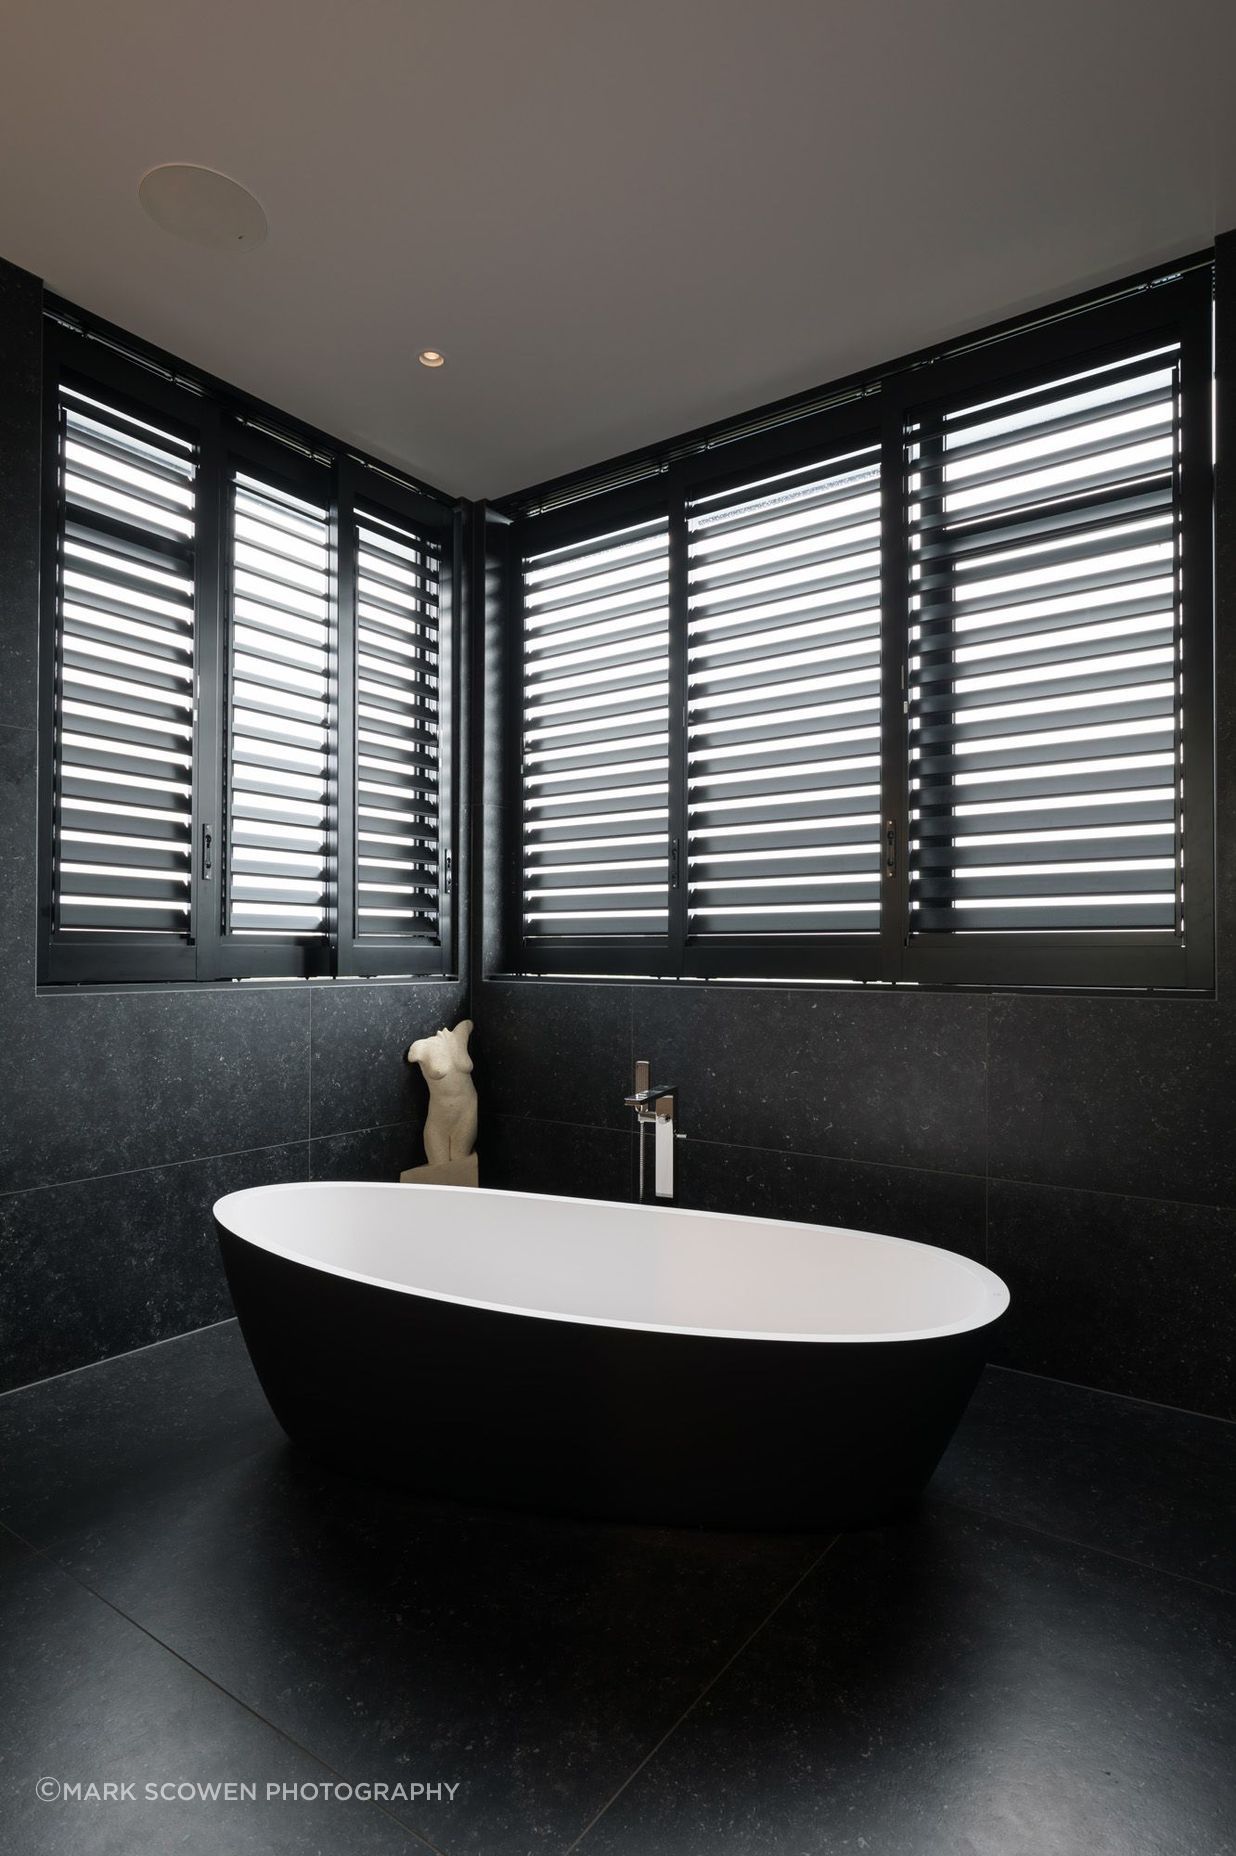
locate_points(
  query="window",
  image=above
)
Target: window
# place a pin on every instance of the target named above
(783, 703)
(247, 742)
(915, 689)
(596, 741)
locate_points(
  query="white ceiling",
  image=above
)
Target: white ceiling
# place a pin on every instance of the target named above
(617, 218)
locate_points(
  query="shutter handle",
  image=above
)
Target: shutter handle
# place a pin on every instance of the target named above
(890, 847)
(208, 852)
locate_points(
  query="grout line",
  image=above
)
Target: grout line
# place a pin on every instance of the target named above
(780, 1153)
(987, 1134)
(310, 1066)
(109, 1359)
(707, 1688)
(802, 1153)
(367, 1127)
(1084, 1546)
(291, 1740)
(159, 1166)
(1130, 1398)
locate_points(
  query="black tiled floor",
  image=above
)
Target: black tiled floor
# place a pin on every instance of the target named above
(1142, 1481)
(1021, 1669)
(957, 1685)
(89, 1698)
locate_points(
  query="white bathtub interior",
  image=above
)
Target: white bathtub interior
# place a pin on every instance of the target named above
(630, 1266)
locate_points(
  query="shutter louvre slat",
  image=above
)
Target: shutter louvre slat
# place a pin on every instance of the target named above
(124, 655)
(596, 750)
(397, 723)
(1045, 693)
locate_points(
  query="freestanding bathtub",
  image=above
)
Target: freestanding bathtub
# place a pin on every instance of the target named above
(620, 1361)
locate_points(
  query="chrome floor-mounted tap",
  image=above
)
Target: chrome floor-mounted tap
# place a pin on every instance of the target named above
(654, 1107)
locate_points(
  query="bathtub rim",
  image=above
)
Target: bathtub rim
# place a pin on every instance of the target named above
(985, 1278)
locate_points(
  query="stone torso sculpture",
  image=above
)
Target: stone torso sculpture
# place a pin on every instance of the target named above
(450, 1127)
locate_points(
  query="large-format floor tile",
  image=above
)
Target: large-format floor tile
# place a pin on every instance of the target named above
(537, 1661)
(956, 1686)
(534, 1661)
(897, 1078)
(1115, 1095)
(1133, 1295)
(90, 1699)
(1139, 1480)
(97, 1443)
(557, 1051)
(361, 1034)
(100, 1266)
(947, 1209)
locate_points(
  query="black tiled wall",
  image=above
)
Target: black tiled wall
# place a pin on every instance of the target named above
(1084, 1148)
(123, 1116)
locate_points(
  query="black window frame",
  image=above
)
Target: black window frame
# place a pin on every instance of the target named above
(229, 431)
(1176, 308)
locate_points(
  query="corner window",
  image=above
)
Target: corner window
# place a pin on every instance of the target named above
(246, 695)
(918, 689)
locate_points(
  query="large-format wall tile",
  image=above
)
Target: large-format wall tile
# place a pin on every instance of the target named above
(897, 1077)
(106, 1082)
(559, 1051)
(104, 1265)
(361, 1034)
(522, 1155)
(366, 1153)
(946, 1209)
(18, 838)
(21, 480)
(1115, 1095)
(1225, 615)
(1132, 1295)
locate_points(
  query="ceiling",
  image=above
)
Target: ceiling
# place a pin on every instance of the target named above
(617, 218)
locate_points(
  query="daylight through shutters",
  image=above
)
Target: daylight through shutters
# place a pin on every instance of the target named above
(246, 689)
(783, 715)
(916, 688)
(595, 735)
(278, 712)
(1046, 667)
(398, 730)
(124, 668)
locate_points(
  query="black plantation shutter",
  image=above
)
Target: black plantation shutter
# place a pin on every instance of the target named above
(595, 742)
(122, 681)
(783, 703)
(1048, 670)
(279, 720)
(395, 685)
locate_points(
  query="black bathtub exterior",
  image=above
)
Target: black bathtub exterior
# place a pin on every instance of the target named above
(610, 1423)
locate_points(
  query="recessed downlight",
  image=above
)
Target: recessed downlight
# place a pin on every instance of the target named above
(202, 206)
(429, 357)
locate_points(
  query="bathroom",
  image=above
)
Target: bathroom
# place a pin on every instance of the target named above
(513, 1514)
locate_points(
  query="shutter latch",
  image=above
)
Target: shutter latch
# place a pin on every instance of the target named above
(448, 874)
(674, 863)
(890, 847)
(208, 852)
